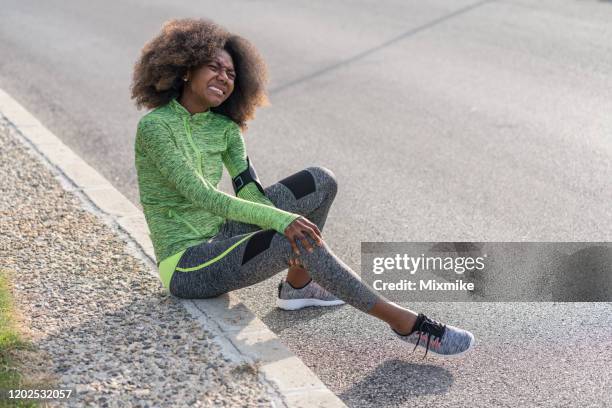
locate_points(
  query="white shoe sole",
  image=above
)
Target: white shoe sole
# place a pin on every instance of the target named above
(471, 346)
(295, 304)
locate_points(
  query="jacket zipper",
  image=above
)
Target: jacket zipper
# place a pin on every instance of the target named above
(193, 146)
(173, 214)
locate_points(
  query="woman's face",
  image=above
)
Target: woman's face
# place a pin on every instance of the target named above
(213, 82)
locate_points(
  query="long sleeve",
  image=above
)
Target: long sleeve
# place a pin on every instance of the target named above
(235, 160)
(157, 143)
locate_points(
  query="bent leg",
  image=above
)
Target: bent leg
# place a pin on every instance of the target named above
(309, 192)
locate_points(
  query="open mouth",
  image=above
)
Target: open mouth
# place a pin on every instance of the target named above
(217, 90)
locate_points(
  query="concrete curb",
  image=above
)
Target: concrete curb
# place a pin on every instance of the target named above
(240, 333)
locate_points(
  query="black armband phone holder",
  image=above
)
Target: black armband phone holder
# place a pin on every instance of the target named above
(246, 177)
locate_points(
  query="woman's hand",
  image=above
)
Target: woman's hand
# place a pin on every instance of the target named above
(299, 230)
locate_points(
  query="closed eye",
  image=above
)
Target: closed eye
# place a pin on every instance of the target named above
(216, 67)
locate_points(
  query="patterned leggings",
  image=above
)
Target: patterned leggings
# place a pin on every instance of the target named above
(242, 255)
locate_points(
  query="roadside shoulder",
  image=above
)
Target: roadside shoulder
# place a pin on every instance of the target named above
(85, 266)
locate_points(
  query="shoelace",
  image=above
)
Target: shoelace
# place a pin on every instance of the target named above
(425, 325)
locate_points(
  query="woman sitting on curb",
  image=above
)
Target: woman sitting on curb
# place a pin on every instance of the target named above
(203, 84)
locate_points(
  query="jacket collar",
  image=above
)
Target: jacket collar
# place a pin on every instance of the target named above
(181, 111)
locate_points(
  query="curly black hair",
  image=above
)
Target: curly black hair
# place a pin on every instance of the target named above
(186, 44)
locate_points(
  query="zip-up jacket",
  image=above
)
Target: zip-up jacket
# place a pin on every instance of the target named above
(179, 162)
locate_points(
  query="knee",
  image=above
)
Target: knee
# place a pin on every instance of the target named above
(325, 179)
(312, 260)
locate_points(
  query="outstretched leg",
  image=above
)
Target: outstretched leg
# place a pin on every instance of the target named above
(211, 269)
(241, 255)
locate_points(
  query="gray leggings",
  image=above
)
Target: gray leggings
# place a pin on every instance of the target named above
(220, 266)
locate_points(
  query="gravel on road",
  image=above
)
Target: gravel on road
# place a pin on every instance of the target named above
(107, 327)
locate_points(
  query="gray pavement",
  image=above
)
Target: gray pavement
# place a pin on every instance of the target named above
(445, 121)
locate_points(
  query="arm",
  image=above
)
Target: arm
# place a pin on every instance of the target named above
(156, 140)
(235, 160)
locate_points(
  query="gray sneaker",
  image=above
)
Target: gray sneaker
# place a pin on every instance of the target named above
(440, 339)
(310, 295)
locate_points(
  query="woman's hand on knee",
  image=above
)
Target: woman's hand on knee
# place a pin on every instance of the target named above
(299, 230)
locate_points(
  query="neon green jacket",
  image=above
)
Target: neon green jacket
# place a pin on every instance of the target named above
(179, 162)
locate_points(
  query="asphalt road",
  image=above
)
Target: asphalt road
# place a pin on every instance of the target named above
(443, 121)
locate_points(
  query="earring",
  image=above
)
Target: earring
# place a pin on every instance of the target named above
(185, 79)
